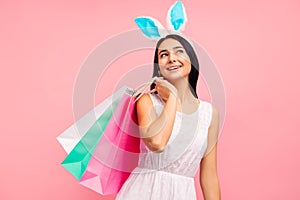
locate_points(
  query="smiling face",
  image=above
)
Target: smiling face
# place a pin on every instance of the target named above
(173, 60)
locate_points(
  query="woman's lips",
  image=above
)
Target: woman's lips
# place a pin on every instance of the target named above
(173, 68)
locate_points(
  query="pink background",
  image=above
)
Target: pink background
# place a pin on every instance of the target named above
(255, 45)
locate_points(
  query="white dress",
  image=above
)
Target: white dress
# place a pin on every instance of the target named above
(169, 175)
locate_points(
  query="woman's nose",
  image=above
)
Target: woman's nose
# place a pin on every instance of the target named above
(172, 57)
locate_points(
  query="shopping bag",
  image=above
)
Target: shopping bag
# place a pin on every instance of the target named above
(71, 136)
(80, 155)
(117, 152)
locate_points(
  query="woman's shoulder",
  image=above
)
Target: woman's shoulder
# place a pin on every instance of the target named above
(209, 104)
(211, 110)
(145, 99)
(214, 113)
(145, 107)
(154, 98)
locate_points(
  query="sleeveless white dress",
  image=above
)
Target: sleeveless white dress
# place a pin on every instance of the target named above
(169, 175)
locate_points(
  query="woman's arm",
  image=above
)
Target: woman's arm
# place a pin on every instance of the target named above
(208, 167)
(156, 130)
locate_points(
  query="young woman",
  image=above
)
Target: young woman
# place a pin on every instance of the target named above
(179, 131)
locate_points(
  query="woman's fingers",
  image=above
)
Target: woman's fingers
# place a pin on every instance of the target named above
(153, 90)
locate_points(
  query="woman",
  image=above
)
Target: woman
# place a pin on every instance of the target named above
(179, 131)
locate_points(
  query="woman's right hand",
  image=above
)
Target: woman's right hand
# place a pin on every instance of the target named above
(156, 129)
(164, 88)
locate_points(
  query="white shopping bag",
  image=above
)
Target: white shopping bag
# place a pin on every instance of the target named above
(70, 137)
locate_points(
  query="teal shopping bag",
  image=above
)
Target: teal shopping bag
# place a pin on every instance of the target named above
(78, 159)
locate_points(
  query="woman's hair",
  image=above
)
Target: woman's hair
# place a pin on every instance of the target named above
(194, 74)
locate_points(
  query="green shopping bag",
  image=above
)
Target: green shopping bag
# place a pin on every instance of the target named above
(78, 159)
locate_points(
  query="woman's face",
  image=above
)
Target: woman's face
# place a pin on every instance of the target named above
(173, 60)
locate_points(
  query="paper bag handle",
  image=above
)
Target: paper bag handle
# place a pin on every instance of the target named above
(141, 89)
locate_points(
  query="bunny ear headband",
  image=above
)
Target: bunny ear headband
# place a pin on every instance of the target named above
(152, 28)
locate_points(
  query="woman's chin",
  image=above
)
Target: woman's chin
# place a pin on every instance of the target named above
(174, 77)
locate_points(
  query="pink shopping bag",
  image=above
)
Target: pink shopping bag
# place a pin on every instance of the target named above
(117, 152)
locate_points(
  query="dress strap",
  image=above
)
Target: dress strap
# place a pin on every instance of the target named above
(208, 109)
(153, 99)
(157, 102)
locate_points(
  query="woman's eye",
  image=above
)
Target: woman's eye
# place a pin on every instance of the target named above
(163, 55)
(180, 51)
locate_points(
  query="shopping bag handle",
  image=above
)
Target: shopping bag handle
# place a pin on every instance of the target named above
(141, 89)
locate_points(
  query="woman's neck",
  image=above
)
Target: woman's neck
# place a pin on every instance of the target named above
(183, 90)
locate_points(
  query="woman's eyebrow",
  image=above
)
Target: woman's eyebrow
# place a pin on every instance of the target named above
(162, 51)
(177, 47)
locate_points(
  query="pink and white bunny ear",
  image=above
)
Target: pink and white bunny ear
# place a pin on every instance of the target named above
(176, 18)
(151, 27)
